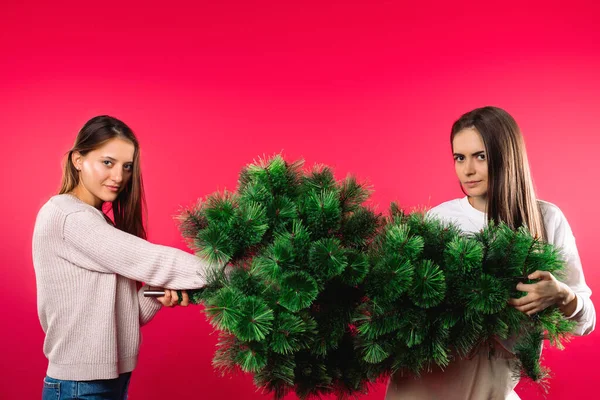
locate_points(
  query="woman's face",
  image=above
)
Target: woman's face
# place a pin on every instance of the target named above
(104, 172)
(470, 162)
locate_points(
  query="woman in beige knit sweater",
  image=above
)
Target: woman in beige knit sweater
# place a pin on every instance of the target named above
(88, 267)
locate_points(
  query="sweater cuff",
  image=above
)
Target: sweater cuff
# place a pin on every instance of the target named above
(149, 306)
(578, 308)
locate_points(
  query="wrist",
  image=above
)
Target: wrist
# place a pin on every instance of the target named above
(566, 296)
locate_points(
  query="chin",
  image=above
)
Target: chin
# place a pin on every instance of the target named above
(108, 198)
(476, 194)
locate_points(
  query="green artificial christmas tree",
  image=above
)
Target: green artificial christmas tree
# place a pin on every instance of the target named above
(318, 294)
(433, 293)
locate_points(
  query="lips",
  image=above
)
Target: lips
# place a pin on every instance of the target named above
(472, 183)
(113, 188)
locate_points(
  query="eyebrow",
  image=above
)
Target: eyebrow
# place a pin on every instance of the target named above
(113, 159)
(474, 154)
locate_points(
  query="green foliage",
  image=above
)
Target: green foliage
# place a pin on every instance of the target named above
(323, 295)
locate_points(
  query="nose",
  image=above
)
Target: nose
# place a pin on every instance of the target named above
(117, 175)
(469, 167)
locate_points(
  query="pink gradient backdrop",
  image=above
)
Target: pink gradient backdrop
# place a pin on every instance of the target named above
(369, 87)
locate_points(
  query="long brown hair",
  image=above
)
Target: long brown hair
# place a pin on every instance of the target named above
(130, 205)
(510, 194)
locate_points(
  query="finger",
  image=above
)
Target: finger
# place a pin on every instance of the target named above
(524, 309)
(541, 306)
(531, 297)
(526, 287)
(166, 299)
(527, 308)
(534, 311)
(185, 299)
(518, 302)
(545, 275)
(174, 297)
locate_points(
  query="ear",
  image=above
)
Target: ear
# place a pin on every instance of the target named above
(77, 160)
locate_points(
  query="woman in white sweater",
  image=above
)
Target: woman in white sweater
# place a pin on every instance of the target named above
(88, 267)
(491, 164)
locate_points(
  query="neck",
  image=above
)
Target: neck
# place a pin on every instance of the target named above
(84, 195)
(478, 202)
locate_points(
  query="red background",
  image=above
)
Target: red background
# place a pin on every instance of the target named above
(368, 87)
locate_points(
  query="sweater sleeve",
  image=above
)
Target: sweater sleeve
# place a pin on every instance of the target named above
(585, 313)
(98, 246)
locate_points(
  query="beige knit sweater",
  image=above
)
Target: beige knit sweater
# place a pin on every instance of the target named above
(88, 300)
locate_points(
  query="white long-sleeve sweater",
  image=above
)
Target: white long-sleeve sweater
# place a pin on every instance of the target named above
(482, 376)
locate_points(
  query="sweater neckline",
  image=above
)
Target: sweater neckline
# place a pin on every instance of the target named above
(79, 201)
(475, 217)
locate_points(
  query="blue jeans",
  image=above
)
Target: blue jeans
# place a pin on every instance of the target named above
(105, 389)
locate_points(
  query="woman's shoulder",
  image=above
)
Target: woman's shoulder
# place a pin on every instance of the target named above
(555, 222)
(448, 207)
(64, 205)
(69, 203)
(551, 212)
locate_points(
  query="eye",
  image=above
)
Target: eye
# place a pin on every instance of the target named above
(128, 167)
(107, 163)
(481, 157)
(459, 158)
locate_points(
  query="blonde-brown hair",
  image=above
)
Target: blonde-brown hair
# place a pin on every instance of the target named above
(511, 195)
(129, 207)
